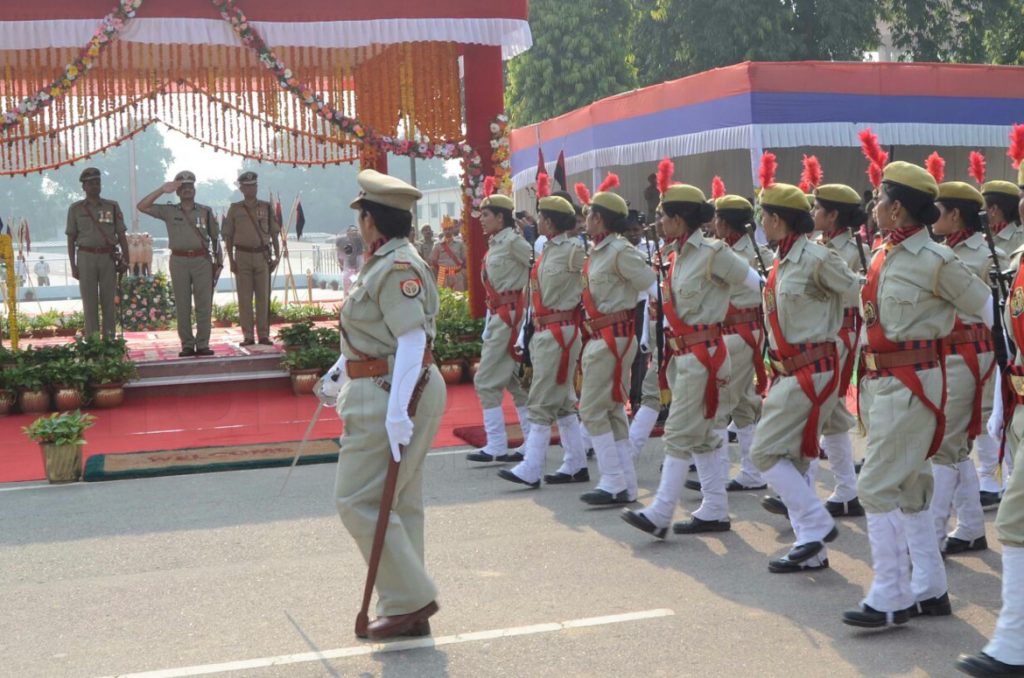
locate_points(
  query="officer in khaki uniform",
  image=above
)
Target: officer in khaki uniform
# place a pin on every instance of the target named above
(695, 300)
(193, 235)
(506, 270)
(251, 231)
(803, 311)
(970, 363)
(390, 397)
(449, 260)
(95, 230)
(913, 292)
(613, 277)
(555, 287)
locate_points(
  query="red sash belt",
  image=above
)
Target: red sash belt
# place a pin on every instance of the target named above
(744, 323)
(969, 342)
(609, 326)
(849, 334)
(546, 319)
(501, 303)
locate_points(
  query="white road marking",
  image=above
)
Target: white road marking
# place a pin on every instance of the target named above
(397, 646)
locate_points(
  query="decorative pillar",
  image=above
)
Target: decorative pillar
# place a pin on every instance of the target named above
(484, 84)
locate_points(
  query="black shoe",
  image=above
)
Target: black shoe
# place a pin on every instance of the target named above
(590, 453)
(857, 467)
(952, 546)
(581, 476)
(784, 565)
(831, 536)
(186, 352)
(268, 342)
(480, 455)
(204, 352)
(990, 501)
(697, 526)
(774, 505)
(641, 522)
(736, 486)
(693, 468)
(605, 498)
(869, 618)
(983, 665)
(733, 438)
(938, 606)
(692, 485)
(247, 342)
(508, 475)
(840, 509)
(802, 552)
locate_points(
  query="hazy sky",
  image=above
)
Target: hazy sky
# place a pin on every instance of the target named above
(208, 164)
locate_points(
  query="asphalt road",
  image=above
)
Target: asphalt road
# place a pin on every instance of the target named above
(218, 575)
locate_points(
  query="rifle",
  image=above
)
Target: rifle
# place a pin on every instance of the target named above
(215, 256)
(526, 366)
(763, 270)
(1002, 347)
(659, 326)
(860, 252)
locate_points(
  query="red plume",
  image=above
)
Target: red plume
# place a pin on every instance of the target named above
(936, 166)
(811, 174)
(490, 185)
(717, 188)
(872, 150)
(543, 185)
(582, 193)
(875, 175)
(665, 171)
(1016, 145)
(976, 167)
(767, 171)
(610, 182)
(805, 187)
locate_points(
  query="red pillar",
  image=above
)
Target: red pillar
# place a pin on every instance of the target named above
(485, 98)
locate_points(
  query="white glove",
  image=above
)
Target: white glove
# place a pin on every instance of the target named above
(645, 334)
(487, 333)
(521, 337)
(753, 282)
(408, 365)
(329, 386)
(987, 312)
(995, 420)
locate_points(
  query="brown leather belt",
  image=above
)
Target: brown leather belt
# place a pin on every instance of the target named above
(556, 318)
(849, 319)
(503, 299)
(788, 366)
(250, 250)
(96, 250)
(377, 367)
(609, 319)
(887, 361)
(752, 315)
(968, 336)
(682, 344)
(189, 253)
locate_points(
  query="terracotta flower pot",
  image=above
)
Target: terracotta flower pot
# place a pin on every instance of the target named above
(452, 371)
(7, 400)
(222, 323)
(108, 395)
(66, 399)
(303, 381)
(63, 462)
(34, 401)
(474, 365)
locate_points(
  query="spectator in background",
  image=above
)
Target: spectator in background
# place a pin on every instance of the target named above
(350, 256)
(21, 270)
(425, 246)
(42, 270)
(652, 197)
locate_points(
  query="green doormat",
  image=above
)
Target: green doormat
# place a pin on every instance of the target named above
(207, 459)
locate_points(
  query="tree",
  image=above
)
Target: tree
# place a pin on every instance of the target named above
(1004, 39)
(945, 30)
(577, 57)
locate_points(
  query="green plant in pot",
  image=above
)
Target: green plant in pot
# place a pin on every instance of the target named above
(225, 314)
(29, 380)
(60, 436)
(298, 335)
(68, 379)
(8, 395)
(307, 364)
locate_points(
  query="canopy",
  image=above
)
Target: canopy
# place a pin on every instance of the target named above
(752, 107)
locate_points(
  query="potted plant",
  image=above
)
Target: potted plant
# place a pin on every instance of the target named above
(8, 396)
(60, 437)
(68, 379)
(471, 354)
(297, 336)
(107, 376)
(306, 365)
(225, 315)
(327, 336)
(29, 380)
(70, 324)
(448, 356)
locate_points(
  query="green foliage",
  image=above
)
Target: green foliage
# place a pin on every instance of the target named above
(146, 303)
(72, 321)
(320, 358)
(299, 334)
(327, 337)
(226, 312)
(60, 428)
(298, 312)
(68, 373)
(457, 335)
(25, 376)
(111, 370)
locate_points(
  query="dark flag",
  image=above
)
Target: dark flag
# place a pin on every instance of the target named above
(560, 171)
(2, 227)
(300, 219)
(277, 212)
(540, 161)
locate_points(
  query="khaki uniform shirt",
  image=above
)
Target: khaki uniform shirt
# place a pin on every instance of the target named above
(975, 254)
(187, 231)
(393, 294)
(507, 263)
(440, 256)
(740, 295)
(1009, 239)
(425, 248)
(705, 270)
(810, 287)
(240, 229)
(559, 273)
(617, 274)
(919, 282)
(109, 222)
(845, 245)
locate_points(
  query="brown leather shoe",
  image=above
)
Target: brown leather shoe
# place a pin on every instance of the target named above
(410, 624)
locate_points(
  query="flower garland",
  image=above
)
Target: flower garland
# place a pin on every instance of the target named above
(110, 27)
(422, 150)
(146, 303)
(501, 151)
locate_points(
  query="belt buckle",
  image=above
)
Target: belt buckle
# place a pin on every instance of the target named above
(870, 362)
(779, 367)
(1017, 382)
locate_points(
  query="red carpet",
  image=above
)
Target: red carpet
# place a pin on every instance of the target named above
(190, 417)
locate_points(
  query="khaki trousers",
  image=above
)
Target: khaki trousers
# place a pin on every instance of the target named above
(548, 400)
(686, 430)
(739, 399)
(97, 282)
(192, 280)
(956, 447)
(253, 278)
(403, 584)
(840, 420)
(598, 410)
(498, 371)
(785, 410)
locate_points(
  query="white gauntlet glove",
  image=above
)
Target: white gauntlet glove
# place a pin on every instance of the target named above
(329, 386)
(995, 420)
(487, 333)
(408, 366)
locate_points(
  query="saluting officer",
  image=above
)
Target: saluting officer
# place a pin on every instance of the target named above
(194, 239)
(251, 238)
(95, 231)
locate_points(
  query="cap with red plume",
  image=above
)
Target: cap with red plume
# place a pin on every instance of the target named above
(490, 185)
(717, 188)
(976, 167)
(543, 185)
(582, 193)
(936, 166)
(1016, 145)
(666, 168)
(766, 173)
(611, 181)
(811, 174)
(875, 174)
(871, 148)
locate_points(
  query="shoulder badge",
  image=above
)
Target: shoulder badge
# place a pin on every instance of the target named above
(401, 265)
(1017, 301)
(411, 287)
(870, 313)
(769, 300)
